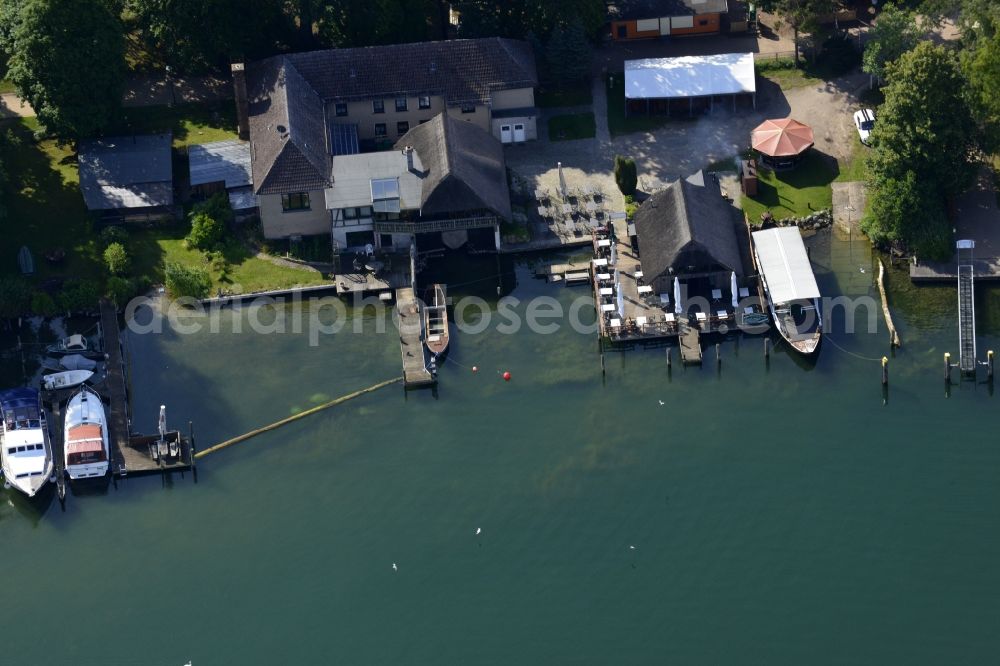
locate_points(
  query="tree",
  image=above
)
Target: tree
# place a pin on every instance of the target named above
(368, 22)
(119, 290)
(208, 222)
(894, 33)
(195, 35)
(625, 175)
(803, 15)
(516, 18)
(921, 150)
(15, 297)
(982, 70)
(79, 296)
(116, 259)
(67, 59)
(43, 305)
(568, 55)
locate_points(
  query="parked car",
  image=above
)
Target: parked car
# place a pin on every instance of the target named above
(864, 120)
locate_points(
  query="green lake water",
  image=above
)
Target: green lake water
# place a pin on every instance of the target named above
(780, 513)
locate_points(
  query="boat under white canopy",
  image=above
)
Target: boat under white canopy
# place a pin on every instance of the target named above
(784, 263)
(690, 76)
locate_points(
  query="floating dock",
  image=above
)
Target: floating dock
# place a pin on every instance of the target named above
(411, 344)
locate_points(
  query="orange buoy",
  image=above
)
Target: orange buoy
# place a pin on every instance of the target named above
(506, 376)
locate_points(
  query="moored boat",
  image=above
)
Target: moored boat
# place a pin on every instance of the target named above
(77, 362)
(85, 440)
(25, 449)
(65, 380)
(74, 344)
(436, 322)
(25, 261)
(789, 286)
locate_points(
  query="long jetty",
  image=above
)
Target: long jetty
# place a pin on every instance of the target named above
(411, 344)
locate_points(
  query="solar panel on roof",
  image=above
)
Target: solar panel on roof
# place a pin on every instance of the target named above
(344, 140)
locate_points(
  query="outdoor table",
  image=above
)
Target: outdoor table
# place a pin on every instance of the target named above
(600, 262)
(616, 323)
(645, 289)
(639, 274)
(608, 307)
(607, 291)
(604, 243)
(699, 316)
(540, 194)
(669, 318)
(543, 211)
(641, 321)
(604, 276)
(722, 314)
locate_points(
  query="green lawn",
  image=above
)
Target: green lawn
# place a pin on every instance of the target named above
(784, 73)
(201, 122)
(572, 126)
(578, 95)
(793, 193)
(6, 86)
(854, 168)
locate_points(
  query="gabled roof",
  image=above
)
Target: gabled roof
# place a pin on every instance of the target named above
(627, 10)
(462, 70)
(464, 166)
(287, 132)
(126, 171)
(687, 216)
(220, 161)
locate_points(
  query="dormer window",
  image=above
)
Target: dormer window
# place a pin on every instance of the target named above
(385, 195)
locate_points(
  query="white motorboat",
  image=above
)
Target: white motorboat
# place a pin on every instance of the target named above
(789, 286)
(25, 451)
(86, 436)
(74, 344)
(65, 380)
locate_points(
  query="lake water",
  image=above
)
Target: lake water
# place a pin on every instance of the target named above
(780, 513)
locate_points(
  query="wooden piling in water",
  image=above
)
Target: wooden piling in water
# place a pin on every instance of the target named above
(989, 365)
(669, 358)
(885, 371)
(893, 334)
(767, 347)
(718, 354)
(947, 368)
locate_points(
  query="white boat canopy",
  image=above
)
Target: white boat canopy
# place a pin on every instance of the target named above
(782, 259)
(690, 76)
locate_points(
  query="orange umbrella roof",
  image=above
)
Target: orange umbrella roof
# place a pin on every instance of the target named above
(781, 138)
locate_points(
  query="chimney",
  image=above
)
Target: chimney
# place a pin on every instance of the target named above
(242, 103)
(408, 151)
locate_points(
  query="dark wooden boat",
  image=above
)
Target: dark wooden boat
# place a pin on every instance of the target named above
(436, 321)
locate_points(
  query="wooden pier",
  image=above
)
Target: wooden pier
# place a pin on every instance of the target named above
(411, 345)
(130, 454)
(690, 343)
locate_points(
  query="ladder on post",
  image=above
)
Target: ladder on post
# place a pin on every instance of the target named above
(966, 307)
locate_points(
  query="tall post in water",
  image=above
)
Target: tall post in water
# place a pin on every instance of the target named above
(989, 366)
(885, 371)
(947, 368)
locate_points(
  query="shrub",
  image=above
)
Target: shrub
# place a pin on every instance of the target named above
(216, 207)
(838, 56)
(15, 297)
(43, 304)
(116, 259)
(625, 174)
(206, 232)
(79, 296)
(183, 281)
(111, 235)
(119, 290)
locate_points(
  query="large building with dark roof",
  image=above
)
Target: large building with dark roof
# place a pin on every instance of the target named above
(126, 172)
(686, 230)
(301, 111)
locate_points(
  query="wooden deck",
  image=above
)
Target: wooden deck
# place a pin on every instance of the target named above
(987, 268)
(690, 343)
(364, 283)
(415, 372)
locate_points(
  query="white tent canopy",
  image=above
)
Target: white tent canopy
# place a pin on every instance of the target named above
(690, 76)
(782, 259)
